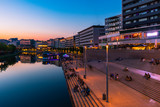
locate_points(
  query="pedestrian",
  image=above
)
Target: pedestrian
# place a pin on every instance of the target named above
(111, 76)
(116, 77)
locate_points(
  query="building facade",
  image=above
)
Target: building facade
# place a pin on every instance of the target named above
(51, 43)
(70, 42)
(57, 42)
(141, 22)
(62, 43)
(41, 45)
(113, 25)
(14, 41)
(77, 44)
(89, 36)
(27, 43)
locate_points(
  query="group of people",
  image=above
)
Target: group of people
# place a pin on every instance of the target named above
(69, 72)
(147, 76)
(154, 61)
(85, 91)
(116, 77)
(80, 87)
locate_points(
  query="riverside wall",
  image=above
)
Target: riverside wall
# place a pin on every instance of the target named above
(125, 54)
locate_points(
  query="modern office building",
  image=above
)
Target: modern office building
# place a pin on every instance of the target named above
(41, 45)
(14, 41)
(50, 43)
(113, 25)
(62, 43)
(57, 42)
(27, 43)
(70, 42)
(76, 40)
(141, 22)
(140, 15)
(89, 36)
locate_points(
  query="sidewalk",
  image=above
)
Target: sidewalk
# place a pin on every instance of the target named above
(120, 95)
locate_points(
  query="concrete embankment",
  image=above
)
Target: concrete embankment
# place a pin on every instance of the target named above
(79, 98)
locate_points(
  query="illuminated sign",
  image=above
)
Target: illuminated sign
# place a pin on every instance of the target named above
(152, 34)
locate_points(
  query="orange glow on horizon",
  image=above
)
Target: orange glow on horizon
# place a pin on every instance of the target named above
(36, 36)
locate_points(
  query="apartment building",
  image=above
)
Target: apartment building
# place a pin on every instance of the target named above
(89, 36)
(62, 43)
(50, 43)
(113, 25)
(141, 22)
(76, 40)
(27, 43)
(70, 42)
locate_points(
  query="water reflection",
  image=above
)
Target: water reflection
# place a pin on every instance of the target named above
(29, 57)
(6, 62)
(30, 83)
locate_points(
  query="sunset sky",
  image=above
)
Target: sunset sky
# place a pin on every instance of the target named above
(45, 19)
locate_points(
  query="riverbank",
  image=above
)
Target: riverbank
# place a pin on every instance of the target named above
(79, 98)
(9, 55)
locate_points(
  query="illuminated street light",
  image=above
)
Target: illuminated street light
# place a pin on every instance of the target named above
(85, 62)
(107, 72)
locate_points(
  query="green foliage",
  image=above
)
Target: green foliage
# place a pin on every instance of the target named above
(3, 47)
(9, 48)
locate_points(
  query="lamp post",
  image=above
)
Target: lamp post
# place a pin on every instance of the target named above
(85, 61)
(107, 72)
(117, 42)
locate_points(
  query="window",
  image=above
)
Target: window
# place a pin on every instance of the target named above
(128, 16)
(129, 22)
(135, 8)
(134, 21)
(143, 19)
(143, 6)
(153, 17)
(127, 11)
(142, 13)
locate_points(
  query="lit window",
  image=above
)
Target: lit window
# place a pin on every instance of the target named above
(143, 19)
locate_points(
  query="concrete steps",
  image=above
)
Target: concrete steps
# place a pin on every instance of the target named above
(80, 100)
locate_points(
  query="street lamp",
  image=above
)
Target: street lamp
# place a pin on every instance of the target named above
(117, 42)
(107, 72)
(85, 62)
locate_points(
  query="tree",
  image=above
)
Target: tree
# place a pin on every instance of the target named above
(11, 48)
(3, 47)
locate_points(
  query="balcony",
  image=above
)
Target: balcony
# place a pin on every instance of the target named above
(141, 10)
(137, 4)
(126, 2)
(142, 16)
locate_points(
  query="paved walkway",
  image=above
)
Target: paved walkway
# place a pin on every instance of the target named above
(120, 95)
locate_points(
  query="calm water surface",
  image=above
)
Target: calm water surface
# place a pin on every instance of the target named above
(27, 84)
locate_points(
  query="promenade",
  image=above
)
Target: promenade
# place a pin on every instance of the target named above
(120, 95)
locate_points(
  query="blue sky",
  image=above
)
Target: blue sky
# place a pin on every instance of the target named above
(45, 19)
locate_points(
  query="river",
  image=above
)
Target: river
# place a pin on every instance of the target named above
(28, 81)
